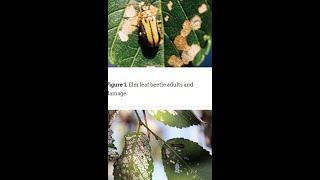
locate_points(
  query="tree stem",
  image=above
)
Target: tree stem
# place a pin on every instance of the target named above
(164, 142)
(141, 123)
(145, 120)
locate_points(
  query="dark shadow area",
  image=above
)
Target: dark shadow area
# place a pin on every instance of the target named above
(148, 52)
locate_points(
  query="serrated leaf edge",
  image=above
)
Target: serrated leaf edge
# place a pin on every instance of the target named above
(182, 158)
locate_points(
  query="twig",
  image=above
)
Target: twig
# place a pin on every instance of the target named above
(145, 119)
(164, 142)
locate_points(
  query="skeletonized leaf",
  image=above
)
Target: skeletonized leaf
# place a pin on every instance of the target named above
(112, 150)
(176, 118)
(185, 159)
(136, 161)
(111, 116)
(185, 26)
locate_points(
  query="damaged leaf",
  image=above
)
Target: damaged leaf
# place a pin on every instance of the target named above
(191, 19)
(185, 27)
(112, 150)
(185, 159)
(176, 118)
(136, 161)
(125, 47)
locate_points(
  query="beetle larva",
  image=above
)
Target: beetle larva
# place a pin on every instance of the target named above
(163, 152)
(177, 145)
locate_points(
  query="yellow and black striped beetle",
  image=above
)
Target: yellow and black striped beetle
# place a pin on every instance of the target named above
(150, 27)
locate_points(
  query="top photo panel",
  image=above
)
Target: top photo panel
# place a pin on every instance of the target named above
(159, 33)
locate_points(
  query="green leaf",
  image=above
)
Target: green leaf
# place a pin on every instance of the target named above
(136, 161)
(112, 150)
(176, 118)
(185, 28)
(184, 159)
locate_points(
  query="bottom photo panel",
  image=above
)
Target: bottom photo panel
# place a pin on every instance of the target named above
(160, 144)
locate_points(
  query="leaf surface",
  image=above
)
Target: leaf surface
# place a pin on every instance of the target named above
(185, 159)
(176, 118)
(112, 150)
(185, 27)
(136, 161)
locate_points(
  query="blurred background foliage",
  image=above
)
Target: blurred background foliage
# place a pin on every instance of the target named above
(126, 122)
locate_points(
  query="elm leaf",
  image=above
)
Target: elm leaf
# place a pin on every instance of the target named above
(176, 118)
(185, 159)
(136, 161)
(185, 27)
(112, 150)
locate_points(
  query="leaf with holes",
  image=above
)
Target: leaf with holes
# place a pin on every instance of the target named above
(184, 25)
(184, 159)
(136, 161)
(112, 150)
(176, 118)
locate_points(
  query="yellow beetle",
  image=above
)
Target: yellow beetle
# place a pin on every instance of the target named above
(150, 30)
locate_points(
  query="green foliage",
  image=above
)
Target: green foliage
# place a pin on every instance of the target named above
(112, 150)
(184, 159)
(177, 118)
(136, 161)
(191, 19)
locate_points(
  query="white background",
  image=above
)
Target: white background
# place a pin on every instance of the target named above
(197, 98)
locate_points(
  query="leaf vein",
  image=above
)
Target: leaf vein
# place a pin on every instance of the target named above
(188, 19)
(111, 50)
(115, 11)
(134, 58)
(112, 28)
